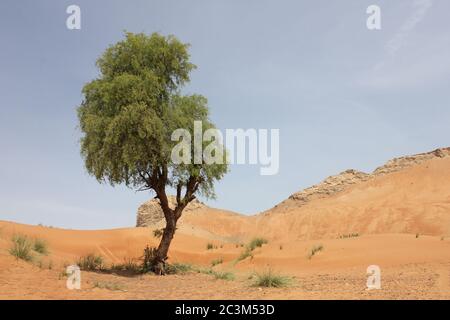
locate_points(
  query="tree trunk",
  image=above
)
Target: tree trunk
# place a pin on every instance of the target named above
(163, 248)
(171, 216)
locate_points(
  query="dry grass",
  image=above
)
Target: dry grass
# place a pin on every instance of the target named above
(91, 262)
(269, 279)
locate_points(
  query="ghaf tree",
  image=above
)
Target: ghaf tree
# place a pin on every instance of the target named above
(127, 117)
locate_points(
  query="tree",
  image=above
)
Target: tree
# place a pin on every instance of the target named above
(127, 117)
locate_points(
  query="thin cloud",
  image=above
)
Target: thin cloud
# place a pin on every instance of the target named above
(397, 41)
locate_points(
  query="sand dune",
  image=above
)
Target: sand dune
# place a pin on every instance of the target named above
(411, 267)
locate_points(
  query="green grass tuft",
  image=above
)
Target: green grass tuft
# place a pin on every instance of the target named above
(40, 246)
(21, 248)
(256, 243)
(270, 279)
(253, 244)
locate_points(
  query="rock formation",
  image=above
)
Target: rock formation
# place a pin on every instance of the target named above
(401, 163)
(150, 212)
(331, 185)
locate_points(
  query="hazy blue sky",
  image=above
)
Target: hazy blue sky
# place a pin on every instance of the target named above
(341, 95)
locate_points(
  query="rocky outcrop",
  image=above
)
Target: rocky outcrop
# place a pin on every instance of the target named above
(335, 184)
(331, 185)
(150, 212)
(401, 163)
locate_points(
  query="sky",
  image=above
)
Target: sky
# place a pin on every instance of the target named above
(342, 96)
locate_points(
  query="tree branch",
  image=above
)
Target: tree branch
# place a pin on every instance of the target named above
(179, 186)
(191, 187)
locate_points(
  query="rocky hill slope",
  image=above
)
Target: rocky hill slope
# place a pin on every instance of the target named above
(337, 183)
(406, 195)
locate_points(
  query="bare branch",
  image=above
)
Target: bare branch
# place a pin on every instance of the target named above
(179, 186)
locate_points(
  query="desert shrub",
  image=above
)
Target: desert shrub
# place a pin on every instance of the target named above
(281, 247)
(417, 235)
(21, 248)
(314, 250)
(209, 246)
(269, 279)
(91, 262)
(256, 243)
(178, 268)
(215, 262)
(40, 246)
(148, 259)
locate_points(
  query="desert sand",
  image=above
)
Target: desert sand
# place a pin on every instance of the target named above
(398, 219)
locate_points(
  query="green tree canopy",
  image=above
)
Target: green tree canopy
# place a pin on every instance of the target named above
(129, 113)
